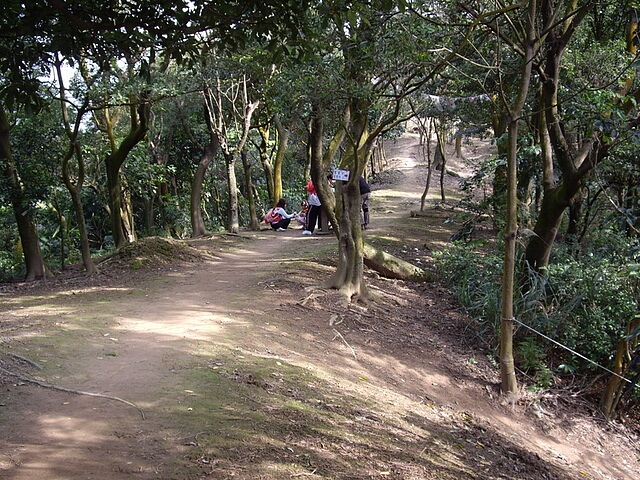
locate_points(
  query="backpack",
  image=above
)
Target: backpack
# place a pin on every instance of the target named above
(272, 217)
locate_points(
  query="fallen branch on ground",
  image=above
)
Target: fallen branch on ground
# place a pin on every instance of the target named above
(338, 334)
(309, 298)
(69, 390)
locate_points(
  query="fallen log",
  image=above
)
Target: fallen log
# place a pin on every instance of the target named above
(390, 266)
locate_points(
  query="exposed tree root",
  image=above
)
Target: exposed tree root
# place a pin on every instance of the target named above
(69, 390)
(24, 359)
(392, 267)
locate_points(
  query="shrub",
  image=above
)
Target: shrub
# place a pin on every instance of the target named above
(584, 304)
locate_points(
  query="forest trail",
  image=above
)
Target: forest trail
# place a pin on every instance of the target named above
(242, 367)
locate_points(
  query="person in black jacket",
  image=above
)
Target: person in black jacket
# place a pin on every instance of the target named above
(365, 193)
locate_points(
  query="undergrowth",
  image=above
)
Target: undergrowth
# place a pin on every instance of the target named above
(577, 305)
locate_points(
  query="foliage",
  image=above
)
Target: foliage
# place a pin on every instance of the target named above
(584, 304)
(475, 278)
(11, 265)
(530, 356)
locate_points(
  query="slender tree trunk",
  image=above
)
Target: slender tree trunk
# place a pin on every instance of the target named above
(615, 388)
(75, 189)
(267, 164)
(76, 201)
(507, 365)
(233, 224)
(254, 222)
(219, 118)
(425, 135)
(283, 142)
(442, 157)
(197, 223)
(458, 141)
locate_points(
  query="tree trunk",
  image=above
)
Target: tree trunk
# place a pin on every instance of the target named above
(197, 223)
(267, 164)
(507, 365)
(119, 209)
(34, 262)
(74, 191)
(114, 188)
(425, 142)
(614, 390)
(319, 163)
(283, 141)
(458, 140)
(443, 165)
(87, 261)
(392, 267)
(349, 275)
(233, 224)
(218, 119)
(575, 162)
(254, 221)
(509, 382)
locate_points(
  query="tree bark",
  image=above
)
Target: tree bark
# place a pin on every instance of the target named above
(425, 143)
(390, 266)
(349, 275)
(197, 223)
(254, 221)
(219, 116)
(75, 189)
(283, 142)
(614, 390)
(265, 161)
(441, 160)
(120, 211)
(509, 382)
(34, 262)
(233, 223)
(575, 163)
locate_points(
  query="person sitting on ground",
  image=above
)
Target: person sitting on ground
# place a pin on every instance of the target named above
(278, 217)
(301, 218)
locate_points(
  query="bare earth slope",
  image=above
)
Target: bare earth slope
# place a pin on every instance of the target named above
(238, 365)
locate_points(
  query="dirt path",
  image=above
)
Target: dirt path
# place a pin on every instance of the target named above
(241, 367)
(131, 341)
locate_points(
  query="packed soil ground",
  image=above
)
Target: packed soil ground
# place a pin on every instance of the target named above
(225, 358)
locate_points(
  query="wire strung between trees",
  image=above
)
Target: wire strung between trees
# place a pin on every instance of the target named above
(513, 319)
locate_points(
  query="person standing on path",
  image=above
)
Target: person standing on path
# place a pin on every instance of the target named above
(365, 194)
(315, 208)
